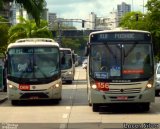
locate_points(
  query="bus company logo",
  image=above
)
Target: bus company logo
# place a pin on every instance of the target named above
(33, 87)
(121, 81)
(122, 90)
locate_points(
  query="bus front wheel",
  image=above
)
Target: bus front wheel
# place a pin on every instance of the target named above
(95, 107)
(69, 81)
(145, 107)
(14, 102)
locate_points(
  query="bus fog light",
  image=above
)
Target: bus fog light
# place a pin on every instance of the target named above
(70, 72)
(94, 86)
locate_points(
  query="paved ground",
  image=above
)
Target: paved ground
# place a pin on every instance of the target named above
(3, 96)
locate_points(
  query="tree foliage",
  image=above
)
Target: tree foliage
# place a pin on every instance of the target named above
(28, 29)
(149, 21)
(4, 27)
(33, 7)
(154, 19)
(75, 43)
(129, 21)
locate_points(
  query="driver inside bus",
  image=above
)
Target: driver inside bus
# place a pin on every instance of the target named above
(100, 63)
(23, 64)
(20, 63)
(103, 61)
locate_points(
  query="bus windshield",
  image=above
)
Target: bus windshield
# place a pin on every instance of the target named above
(33, 62)
(66, 60)
(121, 60)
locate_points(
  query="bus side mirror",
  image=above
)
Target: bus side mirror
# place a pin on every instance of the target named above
(73, 57)
(87, 50)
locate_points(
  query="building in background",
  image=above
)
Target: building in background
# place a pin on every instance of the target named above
(12, 11)
(122, 9)
(51, 20)
(5, 11)
(92, 21)
(108, 22)
(113, 20)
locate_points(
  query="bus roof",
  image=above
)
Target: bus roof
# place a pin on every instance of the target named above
(33, 42)
(66, 49)
(110, 31)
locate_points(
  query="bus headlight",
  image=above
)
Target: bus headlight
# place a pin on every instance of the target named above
(12, 87)
(94, 86)
(57, 85)
(70, 72)
(149, 84)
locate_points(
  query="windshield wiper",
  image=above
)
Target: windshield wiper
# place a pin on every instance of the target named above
(130, 50)
(37, 68)
(125, 54)
(112, 53)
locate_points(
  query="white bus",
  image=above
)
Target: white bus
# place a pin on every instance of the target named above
(67, 65)
(76, 60)
(33, 70)
(120, 68)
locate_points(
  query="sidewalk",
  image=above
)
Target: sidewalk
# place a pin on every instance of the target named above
(3, 96)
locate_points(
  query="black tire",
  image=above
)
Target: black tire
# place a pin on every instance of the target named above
(157, 93)
(69, 81)
(145, 107)
(95, 107)
(57, 101)
(14, 102)
(5, 89)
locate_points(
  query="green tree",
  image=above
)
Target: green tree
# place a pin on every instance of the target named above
(28, 29)
(4, 27)
(33, 7)
(135, 20)
(76, 44)
(153, 7)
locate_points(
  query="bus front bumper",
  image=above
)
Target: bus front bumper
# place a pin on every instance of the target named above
(106, 98)
(29, 95)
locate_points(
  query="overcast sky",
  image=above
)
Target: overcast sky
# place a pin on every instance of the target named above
(80, 9)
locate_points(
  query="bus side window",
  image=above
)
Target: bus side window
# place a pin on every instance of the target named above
(147, 59)
(63, 59)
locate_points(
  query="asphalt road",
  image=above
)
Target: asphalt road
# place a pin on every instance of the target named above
(73, 112)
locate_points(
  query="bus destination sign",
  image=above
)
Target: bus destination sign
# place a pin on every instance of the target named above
(125, 36)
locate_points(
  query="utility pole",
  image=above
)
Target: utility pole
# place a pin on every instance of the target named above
(132, 6)
(143, 6)
(59, 33)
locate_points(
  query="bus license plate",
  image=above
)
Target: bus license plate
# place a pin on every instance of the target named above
(34, 97)
(122, 97)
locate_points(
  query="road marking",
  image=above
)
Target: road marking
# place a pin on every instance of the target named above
(65, 116)
(68, 107)
(62, 126)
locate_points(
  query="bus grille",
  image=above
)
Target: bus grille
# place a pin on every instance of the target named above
(29, 95)
(129, 98)
(124, 91)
